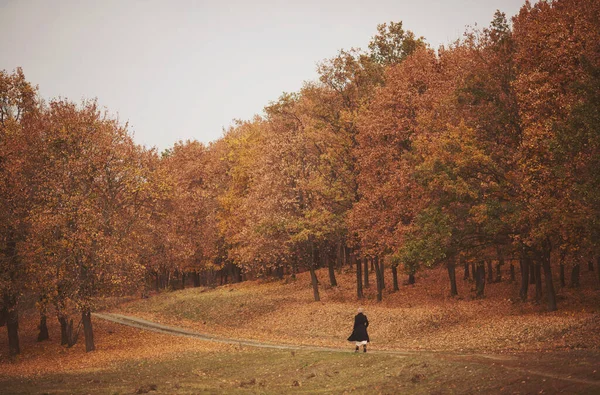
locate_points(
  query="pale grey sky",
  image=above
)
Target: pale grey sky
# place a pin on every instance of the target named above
(184, 69)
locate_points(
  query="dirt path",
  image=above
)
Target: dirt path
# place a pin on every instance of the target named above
(478, 358)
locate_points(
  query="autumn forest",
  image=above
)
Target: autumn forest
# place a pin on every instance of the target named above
(481, 157)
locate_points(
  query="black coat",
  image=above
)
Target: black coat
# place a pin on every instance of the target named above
(359, 333)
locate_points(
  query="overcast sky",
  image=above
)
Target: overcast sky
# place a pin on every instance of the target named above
(178, 70)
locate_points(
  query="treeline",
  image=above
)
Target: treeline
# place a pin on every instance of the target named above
(482, 154)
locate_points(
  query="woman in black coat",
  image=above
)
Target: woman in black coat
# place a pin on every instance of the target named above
(359, 333)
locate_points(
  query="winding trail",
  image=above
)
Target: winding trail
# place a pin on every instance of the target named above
(478, 358)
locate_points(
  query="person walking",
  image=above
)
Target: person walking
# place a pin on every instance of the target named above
(359, 332)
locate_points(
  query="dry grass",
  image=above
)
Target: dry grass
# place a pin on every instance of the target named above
(418, 317)
(115, 344)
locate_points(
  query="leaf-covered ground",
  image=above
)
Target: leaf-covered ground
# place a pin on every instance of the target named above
(457, 345)
(417, 317)
(133, 361)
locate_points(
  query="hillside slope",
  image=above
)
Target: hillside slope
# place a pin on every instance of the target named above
(417, 317)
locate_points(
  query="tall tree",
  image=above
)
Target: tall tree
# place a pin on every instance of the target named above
(84, 226)
(18, 108)
(557, 95)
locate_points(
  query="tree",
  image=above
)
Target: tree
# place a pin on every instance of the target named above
(85, 235)
(557, 95)
(18, 107)
(185, 233)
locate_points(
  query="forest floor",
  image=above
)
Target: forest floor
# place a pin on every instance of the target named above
(423, 341)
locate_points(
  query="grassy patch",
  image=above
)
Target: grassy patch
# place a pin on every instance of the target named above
(449, 339)
(420, 317)
(272, 371)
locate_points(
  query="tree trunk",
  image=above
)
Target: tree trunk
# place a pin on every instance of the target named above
(538, 280)
(86, 317)
(499, 264)
(562, 274)
(490, 271)
(331, 268)
(196, 277)
(43, 327)
(512, 272)
(598, 269)
(551, 295)
(395, 277)
(467, 275)
(339, 256)
(12, 323)
(348, 256)
(315, 283)
(452, 275)
(473, 271)
(575, 276)
(64, 333)
(366, 272)
(480, 279)
(382, 269)
(378, 279)
(525, 263)
(411, 279)
(531, 272)
(590, 265)
(359, 288)
(71, 336)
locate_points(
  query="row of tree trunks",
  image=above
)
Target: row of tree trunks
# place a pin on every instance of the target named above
(469, 268)
(533, 266)
(362, 277)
